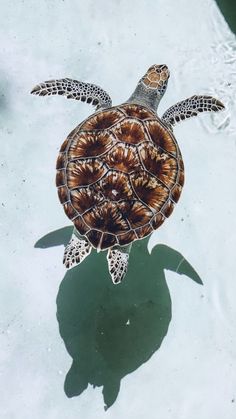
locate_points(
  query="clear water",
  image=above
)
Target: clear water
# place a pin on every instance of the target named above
(162, 344)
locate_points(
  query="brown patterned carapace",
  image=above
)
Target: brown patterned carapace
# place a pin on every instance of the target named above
(119, 174)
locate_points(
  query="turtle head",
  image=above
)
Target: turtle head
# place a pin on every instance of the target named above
(156, 78)
(152, 86)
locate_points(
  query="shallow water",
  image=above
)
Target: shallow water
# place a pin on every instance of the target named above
(162, 344)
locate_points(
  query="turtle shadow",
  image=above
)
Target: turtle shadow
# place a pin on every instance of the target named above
(109, 331)
(227, 9)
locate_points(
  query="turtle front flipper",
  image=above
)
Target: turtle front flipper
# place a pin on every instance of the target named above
(73, 89)
(76, 251)
(191, 107)
(118, 258)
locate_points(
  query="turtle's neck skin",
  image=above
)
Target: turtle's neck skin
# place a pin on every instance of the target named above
(146, 97)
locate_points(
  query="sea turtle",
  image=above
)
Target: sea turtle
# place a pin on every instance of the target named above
(120, 172)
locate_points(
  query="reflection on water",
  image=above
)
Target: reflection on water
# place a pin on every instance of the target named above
(109, 331)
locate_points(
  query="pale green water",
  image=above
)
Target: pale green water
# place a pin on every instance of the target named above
(161, 344)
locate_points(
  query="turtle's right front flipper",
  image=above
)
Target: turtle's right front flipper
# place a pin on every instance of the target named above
(73, 89)
(191, 107)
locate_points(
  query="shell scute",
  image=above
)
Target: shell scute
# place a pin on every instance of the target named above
(130, 131)
(127, 238)
(61, 161)
(102, 120)
(159, 163)
(84, 198)
(61, 178)
(108, 240)
(181, 178)
(122, 157)
(64, 145)
(94, 237)
(175, 193)
(144, 231)
(80, 225)
(63, 194)
(107, 218)
(168, 209)
(101, 240)
(139, 112)
(135, 212)
(115, 186)
(70, 211)
(84, 172)
(90, 144)
(161, 137)
(149, 190)
(157, 220)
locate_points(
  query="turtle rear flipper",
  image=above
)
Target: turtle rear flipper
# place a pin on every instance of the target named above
(76, 251)
(191, 107)
(73, 89)
(118, 258)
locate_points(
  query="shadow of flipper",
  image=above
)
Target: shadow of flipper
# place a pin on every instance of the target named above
(55, 238)
(108, 330)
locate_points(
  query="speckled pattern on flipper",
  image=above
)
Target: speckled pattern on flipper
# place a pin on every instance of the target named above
(117, 264)
(76, 251)
(191, 107)
(73, 89)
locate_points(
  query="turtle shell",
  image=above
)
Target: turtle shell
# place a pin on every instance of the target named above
(119, 174)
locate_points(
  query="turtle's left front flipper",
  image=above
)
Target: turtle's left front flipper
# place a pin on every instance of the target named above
(191, 107)
(73, 89)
